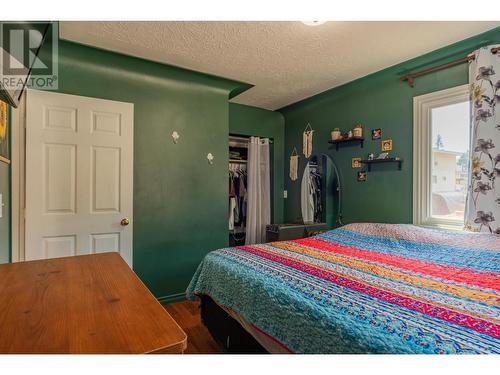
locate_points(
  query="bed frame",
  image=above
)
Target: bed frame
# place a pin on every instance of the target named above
(226, 330)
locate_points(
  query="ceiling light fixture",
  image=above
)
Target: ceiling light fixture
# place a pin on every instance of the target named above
(313, 23)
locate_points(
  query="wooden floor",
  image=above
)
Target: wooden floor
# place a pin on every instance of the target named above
(187, 315)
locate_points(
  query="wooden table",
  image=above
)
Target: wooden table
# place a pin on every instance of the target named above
(83, 304)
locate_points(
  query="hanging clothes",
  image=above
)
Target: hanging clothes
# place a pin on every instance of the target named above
(232, 206)
(307, 196)
(237, 198)
(242, 200)
(316, 186)
(311, 195)
(232, 190)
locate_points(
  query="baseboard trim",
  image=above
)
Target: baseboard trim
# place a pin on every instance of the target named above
(172, 298)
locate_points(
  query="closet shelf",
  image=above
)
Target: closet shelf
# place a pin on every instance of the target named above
(379, 161)
(238, 161)
(337, 142)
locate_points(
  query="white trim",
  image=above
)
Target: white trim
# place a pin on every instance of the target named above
(422, 152)
(18, 132)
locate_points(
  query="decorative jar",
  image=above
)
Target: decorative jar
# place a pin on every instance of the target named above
(336, 134)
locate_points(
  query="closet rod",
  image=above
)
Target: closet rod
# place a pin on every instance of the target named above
(239, 138)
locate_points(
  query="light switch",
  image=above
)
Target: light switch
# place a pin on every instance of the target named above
(1, 205)
(285, 194)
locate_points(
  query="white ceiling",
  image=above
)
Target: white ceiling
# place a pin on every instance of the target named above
(286, 61)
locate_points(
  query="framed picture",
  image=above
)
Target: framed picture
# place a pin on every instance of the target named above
(386, 145)
(356, 163)
(362, 176)
(4, 134)
(376, 134)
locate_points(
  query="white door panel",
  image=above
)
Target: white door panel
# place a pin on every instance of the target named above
(79, 175)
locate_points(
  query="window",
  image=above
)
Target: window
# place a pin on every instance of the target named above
(441, 138)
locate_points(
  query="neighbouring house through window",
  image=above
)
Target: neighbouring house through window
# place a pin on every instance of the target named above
(441, 157)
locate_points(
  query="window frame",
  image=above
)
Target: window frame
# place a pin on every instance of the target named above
(422, 153)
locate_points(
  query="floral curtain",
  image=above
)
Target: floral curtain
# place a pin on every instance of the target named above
(483, 198)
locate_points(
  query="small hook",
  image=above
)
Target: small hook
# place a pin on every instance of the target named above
(175, 136)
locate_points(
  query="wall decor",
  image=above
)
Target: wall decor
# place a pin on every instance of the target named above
(386, 145)
(307, 139)
(336, 134)
(376, 134)
(385, 159)
(210, 158)
(358, 131)
(175, 136)
(4, 133)
(362, 176)
(344, 140)
(356, 163)
(294, 165)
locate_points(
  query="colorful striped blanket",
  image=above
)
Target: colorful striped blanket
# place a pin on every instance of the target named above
(364, 288)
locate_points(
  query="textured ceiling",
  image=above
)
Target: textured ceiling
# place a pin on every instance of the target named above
(286, 61)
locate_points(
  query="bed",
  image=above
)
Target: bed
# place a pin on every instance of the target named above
(362, 288)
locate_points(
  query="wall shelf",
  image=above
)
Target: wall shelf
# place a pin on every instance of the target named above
(379, 161)
(360, 140)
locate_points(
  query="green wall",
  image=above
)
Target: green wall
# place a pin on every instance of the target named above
(246, 120)
(180, 200)
(382, 101)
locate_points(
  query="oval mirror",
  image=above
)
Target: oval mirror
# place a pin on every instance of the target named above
(320, 192)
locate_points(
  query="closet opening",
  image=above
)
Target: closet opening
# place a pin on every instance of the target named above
(250, 189)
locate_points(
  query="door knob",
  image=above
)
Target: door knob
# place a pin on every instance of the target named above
(124, 222)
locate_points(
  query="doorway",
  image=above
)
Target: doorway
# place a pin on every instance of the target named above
(72, 176)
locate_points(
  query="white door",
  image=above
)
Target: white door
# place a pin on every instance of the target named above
(79, 176)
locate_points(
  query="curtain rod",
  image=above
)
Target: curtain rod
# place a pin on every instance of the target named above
(410, 78)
